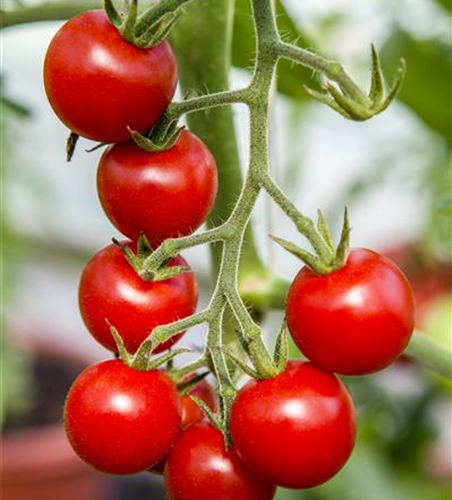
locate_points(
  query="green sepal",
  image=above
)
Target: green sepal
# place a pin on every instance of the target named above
(143, 246)
(131, 258)
(324, 98)
(155, 363)
(158, 31)
(153, 143)
(112, 14)
(164, 273)
(71, 144)
(239, 363)
(185, 387)
(354, 109)
(127, 27)
(281, 355)
(343, 248)
(122, 351)
(322, 226)
(213, 419)
(396, 86)
(377, 88)
(309, 259)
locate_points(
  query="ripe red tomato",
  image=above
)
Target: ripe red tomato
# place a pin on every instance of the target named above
(356, 320)
(165, 194)
(191, 412)
(121, 420)
(98, 84)
(199, 467)
(297, 429)
(111, 289)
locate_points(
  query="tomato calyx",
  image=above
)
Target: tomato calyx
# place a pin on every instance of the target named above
(360, 107)
(142, 30)
(161, 137)
(137, 261)
(317, 263)
(280, 356)
(143, 360)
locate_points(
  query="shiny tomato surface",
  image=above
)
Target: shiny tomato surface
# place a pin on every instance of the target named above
(297, 430)
(98, 84)
(165, 194)
(356, 320)
(200, 468)
(120, 420)
(111, 289)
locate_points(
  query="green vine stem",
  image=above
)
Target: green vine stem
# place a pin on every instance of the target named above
(202, 40)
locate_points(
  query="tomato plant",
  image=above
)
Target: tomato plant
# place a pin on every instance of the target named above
(297, 429)
(99, 85)
(356, 320)
(122, 420)
(110, 289)
(199, 467)
(164, 194)
(349, 312)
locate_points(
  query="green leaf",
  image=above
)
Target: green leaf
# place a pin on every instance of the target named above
(291, 77)
(426, 89)
(447, 4)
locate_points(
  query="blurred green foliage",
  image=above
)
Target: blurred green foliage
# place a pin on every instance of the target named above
(16, 384)
(427, 87)
(446, 3)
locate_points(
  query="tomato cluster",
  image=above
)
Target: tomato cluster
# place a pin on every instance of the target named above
(295, 430)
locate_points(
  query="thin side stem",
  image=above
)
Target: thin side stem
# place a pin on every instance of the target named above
(429, 353)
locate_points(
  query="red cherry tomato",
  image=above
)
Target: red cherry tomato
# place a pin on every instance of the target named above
(111, 289)
(98, 84)
(165, 194)
(200, 468)
(297, 429)
(191, 412)
(121, 420)
(356, 320)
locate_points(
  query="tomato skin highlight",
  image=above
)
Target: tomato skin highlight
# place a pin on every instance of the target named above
(356, 320)
(120, 420)
(98, 84)
(297, 429)
(199, 468)
(165, 194)
(111, 289)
